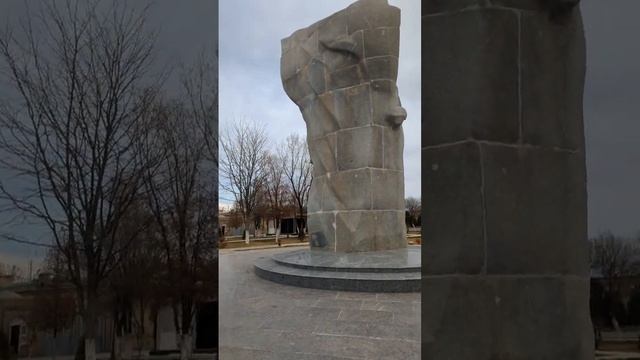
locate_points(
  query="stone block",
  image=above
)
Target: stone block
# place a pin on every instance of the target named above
(345, 77)
(506, 318)
(332, 27)
(355, 231)
(382, 41)
(351, 107)
(298, 87)
(472, 74)
(452, 220)
(535, 211)
(294, 62)
(316, 75)
(393, 148)
(359, 148)
(319, 119)
(316, 193)
(387, 189)
(383, 67)
(323, 154)
(553, 73)
(348, 190)
(367, 14)
(443, 7)
(322, 230)
(391, 230)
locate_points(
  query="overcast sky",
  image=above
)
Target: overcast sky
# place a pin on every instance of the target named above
(250, 85)
(612, 115)
(185, 28)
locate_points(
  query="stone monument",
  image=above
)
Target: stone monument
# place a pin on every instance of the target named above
(341, 72)
(505, 267)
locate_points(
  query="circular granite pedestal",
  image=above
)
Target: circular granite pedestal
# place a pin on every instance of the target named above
(379, 271)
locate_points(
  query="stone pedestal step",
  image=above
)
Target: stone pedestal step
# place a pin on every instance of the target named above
(344, 272)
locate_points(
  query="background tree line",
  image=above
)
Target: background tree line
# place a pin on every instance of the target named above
(615, 280)
(267, 180)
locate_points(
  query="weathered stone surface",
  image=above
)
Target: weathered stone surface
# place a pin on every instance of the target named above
(452, 231)
(393, 149)
(323, 154)
(433, 7)
(383, 67)
(345, 190)
(390, 230)
(549, 236)
(504, 182)
(487, 318)
(345, 77)
(316, 200)
(359, 147)
(382, 41)
(387, 109)
(341, 72)
(473, 88)
(320, 122)
(352, 232)
(388, 185)
(322, 230)
(370, 14)
(350, 107)
(552, 78)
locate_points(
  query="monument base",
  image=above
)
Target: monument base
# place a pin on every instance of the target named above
(377, 271)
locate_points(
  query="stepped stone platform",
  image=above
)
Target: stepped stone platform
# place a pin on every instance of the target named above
(377, 271)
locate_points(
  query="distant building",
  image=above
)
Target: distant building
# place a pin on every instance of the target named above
(230, 223)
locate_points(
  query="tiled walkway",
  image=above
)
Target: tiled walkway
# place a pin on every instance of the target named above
(264, 320)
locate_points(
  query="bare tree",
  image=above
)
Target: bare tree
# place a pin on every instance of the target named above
(243, 166)
(414, 210)
(294, 154)
(70, 135)
(615, 258)
(199, 82)
(183, 199)
(276, 191)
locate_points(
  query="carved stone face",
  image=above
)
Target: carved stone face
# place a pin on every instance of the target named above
(341, 72)
(356, 47)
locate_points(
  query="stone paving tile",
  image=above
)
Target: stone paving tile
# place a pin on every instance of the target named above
(372, 316)
(264, 320)
(369, 330)
(338, 303)
(344, 295)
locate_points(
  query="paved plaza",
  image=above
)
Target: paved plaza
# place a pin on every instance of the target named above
(260, 319)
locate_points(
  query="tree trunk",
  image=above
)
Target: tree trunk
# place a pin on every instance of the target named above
(90, 319)
(277, 225)
(615, 323)
(54, 350)
(116, 348)
(300, 228)
(90, 348)
(185, 346)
